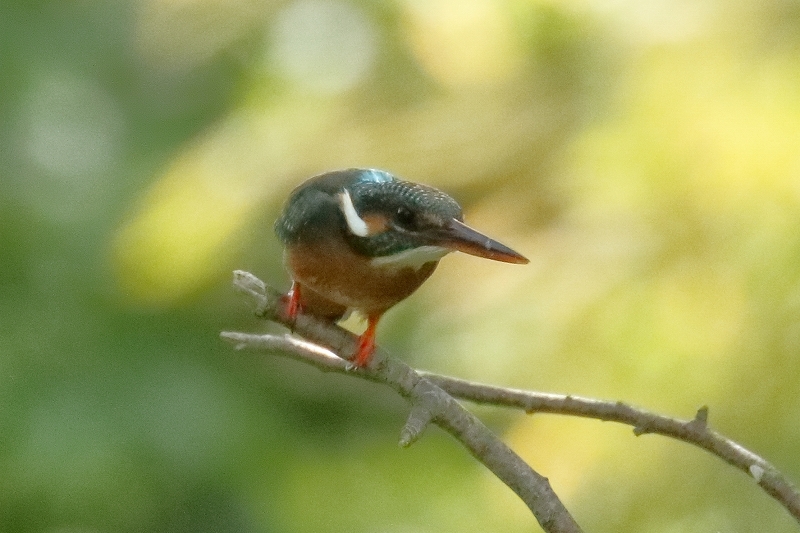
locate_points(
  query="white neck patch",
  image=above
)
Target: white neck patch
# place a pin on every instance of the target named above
(354, 222)
(413, 258)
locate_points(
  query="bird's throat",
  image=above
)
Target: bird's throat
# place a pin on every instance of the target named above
(413, 258)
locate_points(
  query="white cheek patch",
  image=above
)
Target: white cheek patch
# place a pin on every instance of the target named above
(354, 222)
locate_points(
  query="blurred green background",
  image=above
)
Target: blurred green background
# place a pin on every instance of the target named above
(645, 155)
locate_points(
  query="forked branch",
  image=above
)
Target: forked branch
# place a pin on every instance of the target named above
(432, 398)
(694, 431)
(429, 402)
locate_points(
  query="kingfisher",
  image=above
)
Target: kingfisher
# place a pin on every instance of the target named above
(363, 240)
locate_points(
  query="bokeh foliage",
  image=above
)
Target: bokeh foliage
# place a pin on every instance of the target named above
(645, 156)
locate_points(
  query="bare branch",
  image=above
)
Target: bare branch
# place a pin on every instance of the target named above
(693, 431)
(429, 402)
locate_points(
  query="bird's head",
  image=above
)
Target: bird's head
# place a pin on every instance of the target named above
(392, 221)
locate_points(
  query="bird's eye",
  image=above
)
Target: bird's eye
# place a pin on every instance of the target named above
(405, 217)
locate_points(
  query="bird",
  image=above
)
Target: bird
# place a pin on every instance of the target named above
(362, 239)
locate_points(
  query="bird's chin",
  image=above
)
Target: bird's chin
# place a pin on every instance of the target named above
(414, 258)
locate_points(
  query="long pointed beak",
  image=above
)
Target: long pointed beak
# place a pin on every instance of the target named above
(458, 236)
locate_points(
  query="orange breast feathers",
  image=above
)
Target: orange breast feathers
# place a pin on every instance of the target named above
(347, 279)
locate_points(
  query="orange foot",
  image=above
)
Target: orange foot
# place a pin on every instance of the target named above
(366, 343)
(292, 302)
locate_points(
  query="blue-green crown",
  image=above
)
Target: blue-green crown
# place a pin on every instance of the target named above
(411, 209)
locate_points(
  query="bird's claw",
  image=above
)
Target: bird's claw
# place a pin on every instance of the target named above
(292, 306)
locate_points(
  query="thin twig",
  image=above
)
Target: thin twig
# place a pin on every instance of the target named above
(695, 431)
(429, 402)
